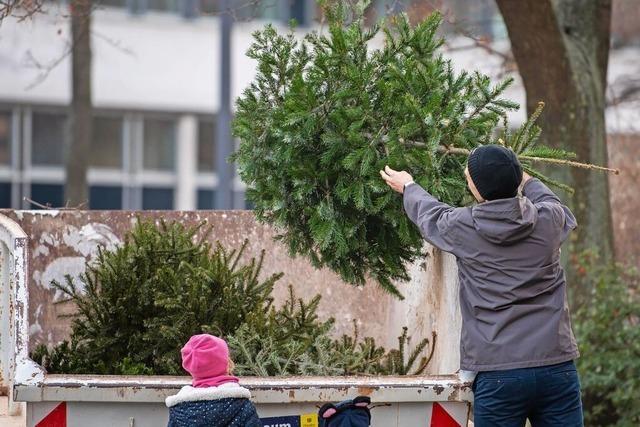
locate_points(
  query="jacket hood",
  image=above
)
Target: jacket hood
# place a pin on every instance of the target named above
(505, 221)
(193, 394)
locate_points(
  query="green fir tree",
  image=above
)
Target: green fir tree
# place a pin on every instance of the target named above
(138, 304)
(326, 113)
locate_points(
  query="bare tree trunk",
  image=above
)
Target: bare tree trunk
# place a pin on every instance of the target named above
(562, 50)
(77, 154)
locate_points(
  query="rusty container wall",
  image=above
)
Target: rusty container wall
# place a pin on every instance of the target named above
(60, 243)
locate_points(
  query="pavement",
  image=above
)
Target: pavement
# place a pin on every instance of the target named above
(7, 420)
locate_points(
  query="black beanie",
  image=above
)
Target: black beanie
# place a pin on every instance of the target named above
(495, 171)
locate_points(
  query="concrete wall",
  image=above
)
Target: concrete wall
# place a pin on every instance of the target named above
(60, 242)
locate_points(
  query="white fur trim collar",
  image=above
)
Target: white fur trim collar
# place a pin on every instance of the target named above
(223, 391)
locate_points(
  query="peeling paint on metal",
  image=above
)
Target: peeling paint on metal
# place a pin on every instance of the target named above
(365, 391)
(45, 212)
(35, 326)
(41, 250)
(58, 269)
(87, 239)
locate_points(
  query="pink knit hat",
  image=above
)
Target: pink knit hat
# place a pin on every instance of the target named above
(206, 358)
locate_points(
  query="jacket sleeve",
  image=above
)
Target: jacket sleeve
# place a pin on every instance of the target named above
(538, 193)
(172, 419)
(433, 218)
(251, 418)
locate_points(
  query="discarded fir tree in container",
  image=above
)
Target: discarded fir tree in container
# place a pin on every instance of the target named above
(138, 304)
(325, 114)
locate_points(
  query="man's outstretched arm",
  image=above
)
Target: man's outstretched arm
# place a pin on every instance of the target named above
(432, 217)
(535, 190)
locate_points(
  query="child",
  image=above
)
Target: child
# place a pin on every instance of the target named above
(215, 399)
(516, 331)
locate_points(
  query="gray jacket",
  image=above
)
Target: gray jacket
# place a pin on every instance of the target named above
(512, 286)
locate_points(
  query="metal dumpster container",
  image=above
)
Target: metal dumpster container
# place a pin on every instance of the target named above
(95, 400)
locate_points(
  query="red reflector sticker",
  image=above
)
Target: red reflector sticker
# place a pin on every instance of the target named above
(55, 418)
(441, 418)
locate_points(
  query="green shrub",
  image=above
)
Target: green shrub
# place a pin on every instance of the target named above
(138, 305)
(608, 332)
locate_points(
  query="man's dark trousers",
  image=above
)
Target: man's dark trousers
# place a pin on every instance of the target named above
(548, 396)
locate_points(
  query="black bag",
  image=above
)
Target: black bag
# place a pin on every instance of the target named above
(349, 413)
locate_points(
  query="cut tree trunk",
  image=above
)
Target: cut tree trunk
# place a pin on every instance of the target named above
(77, 153)
(562, 50)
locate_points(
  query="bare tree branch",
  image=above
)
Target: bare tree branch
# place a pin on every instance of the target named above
(45, 69)
(20, 9)
(48, 206)
(629, 90)
(114, 43)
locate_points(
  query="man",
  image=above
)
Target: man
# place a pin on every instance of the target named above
(516, 330)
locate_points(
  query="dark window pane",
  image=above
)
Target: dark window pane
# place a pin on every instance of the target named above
(248, 204)
(205, 199)
(268, 10)
(114, 3)
(157, 198)
(246, 11)
(48, 195)
(5, 138)
(299, 11)
(48, 136)
(5, 195)
(206, 154)
(159, 144)
(105, 197)
(189, 8)
(210, 7)
(106, 145)
(163, 5)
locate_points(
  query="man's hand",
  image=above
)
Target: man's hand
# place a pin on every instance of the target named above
(395, 179)
(525, 177)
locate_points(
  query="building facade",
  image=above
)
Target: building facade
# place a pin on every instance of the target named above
(155, 96)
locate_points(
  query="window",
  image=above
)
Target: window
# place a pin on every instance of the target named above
(5, 138)
(206, 146)
(210, 7)
(267, 10)
(112, 3)
(205, 199)
(5, 195)
(159, 144)
(48, 194)
(298, 11)
(105, 197)
(48, 138)
(106, 144)
(157, 198)
(164, 5)
(248, 204)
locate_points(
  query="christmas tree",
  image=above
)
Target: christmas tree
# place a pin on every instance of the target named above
(138, 304)
(326, 113)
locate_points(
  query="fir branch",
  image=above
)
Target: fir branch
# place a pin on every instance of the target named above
(571, 163)
(465, 152)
